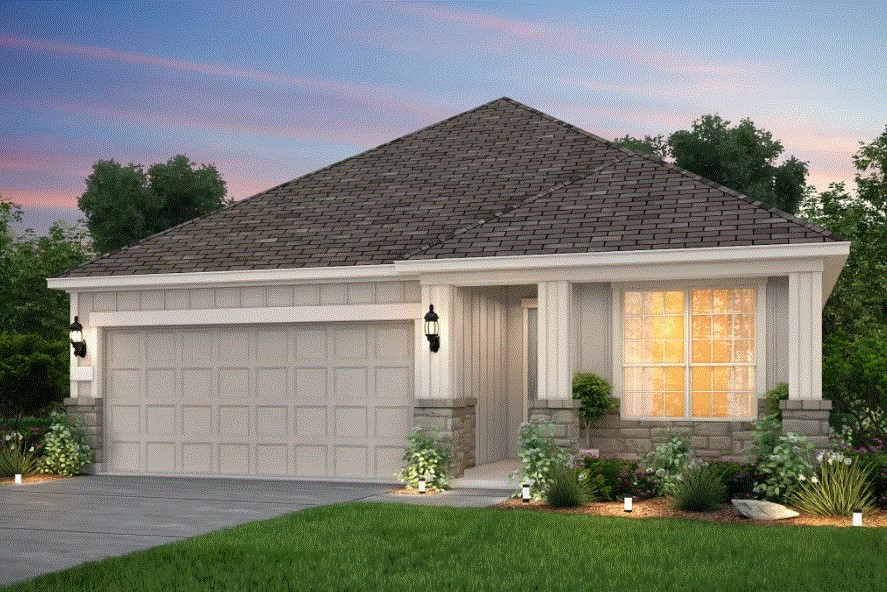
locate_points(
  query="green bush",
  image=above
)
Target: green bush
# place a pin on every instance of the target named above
(841, 487)
(569, 487)
(854, 377)
(780, 471)
(66, 449)
(16, 459)
(539, 455)
(700, 489)
(427, 455)
(593, 392)
(738, 477)
(33, 374)
(773, 397)
(667, 462)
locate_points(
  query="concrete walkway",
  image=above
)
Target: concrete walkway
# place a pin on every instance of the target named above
(456, 497)
(45, 527)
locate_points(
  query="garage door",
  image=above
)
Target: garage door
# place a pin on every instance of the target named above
(323, 400)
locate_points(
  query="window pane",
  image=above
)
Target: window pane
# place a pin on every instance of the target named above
(674, 352)
(674, 303)
(674, 404)
(632, 303)
(719, 404)
(701, 404)
(701, 301)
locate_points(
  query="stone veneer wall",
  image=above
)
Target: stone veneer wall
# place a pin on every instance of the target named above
(89, 411)
(809, 418)
(708, 439)
(457, 421)
(564, 414)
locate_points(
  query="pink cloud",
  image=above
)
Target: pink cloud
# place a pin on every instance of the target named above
(371, 95)
(42, 198)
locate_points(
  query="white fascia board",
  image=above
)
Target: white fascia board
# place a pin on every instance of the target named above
(255, 316)
(613, 258)
(248, 277)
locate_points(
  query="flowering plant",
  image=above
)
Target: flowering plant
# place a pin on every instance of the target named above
(667, 462)
(781, 471)
(66, 449)
(428, 456)
(540, 456)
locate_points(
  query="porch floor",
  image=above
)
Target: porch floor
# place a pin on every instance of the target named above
(494, 475)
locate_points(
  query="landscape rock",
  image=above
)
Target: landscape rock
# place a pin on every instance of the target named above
(762, 510)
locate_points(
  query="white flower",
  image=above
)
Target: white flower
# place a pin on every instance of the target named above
(774, 457)
(8, 437)
(847, 461)
(819, 457)
(792, 438)
(813, 479)
(801, 477)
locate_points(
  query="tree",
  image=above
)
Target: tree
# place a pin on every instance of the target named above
(593, 392)
(743, 158)
(33, 374)
(655, 146)
(855, 317)
(26, 304)
(124, 204)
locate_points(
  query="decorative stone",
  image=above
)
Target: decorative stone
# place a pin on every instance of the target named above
(762, 510)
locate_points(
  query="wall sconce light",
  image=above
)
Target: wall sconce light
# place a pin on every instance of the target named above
(857, 518)
(525, 493)
(629, 504)
(432, 329)
(77, 341)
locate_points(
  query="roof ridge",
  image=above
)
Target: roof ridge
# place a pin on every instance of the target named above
(512, 208)
(732, 192)
(245, 200)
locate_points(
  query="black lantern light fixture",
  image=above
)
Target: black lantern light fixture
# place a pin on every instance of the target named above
(432, 329)
(77, 341)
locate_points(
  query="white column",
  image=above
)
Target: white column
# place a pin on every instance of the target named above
(555, 340)
(435, 371)
(805, 335)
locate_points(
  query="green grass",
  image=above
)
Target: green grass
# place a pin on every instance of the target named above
(398, 547)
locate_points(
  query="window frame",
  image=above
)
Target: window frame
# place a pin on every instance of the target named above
(618, 344)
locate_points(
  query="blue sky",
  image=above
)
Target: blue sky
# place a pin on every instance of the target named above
(268, 92)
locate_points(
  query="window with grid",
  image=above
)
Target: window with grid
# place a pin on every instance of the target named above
(689, 353)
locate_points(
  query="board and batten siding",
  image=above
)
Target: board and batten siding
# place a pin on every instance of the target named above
(593, 305)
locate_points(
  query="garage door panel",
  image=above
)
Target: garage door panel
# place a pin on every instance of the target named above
(272, 422)
(311, 422)
(271, 384)
(351, 423)
(314, 400)
(197, 458)
(234, 459)
(234, 421)
(197, 420)
(160, 420)
(351, 461)
(311, 460)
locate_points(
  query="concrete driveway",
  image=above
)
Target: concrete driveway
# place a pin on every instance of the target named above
(49, 526)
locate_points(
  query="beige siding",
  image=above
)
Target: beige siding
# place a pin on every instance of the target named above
(592, 307)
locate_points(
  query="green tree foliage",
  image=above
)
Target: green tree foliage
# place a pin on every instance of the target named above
(743, 158)
(594, 393)
(33, 374)
(655, 146)
(124, 204)
(26, 304)
(855, 317)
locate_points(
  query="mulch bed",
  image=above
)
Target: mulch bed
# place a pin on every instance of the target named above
(26, 479)
(411, 491)
(662, 508)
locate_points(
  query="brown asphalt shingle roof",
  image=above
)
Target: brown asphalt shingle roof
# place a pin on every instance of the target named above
(501, 179)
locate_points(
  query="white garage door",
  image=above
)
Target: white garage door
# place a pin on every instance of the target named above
(321, 400)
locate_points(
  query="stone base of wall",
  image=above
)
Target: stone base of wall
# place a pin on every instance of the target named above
(89, 411)
(632, 439)
(808, 418)
(456, 420)
(564, 414)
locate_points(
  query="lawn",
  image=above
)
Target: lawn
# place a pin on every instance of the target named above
(398, 547)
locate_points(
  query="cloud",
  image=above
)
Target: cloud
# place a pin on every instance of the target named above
(42, 198)
(375, 96)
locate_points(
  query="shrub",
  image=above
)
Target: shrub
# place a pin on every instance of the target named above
(738, 477)
(700, 489)
(773, 397)
(568, 487)
(15, 458)
(854, 377)
(66, 449)
(427, 455)
(841, 487)
(593, 392)
(33, 374)
(780, 471)
(539, 455)
(667, 462)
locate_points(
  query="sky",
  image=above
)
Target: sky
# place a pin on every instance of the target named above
(267, 92)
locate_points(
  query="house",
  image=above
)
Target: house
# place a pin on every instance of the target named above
(283, 335)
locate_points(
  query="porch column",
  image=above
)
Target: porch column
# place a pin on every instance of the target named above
(555, 322)
(555, 403)
(805, 412)
(805, 335)
(438, 400)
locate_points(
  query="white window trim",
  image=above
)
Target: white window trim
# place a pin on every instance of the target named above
(618, 348)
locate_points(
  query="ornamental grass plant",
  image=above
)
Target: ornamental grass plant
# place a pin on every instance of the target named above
(842, 487)
(700, 489)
